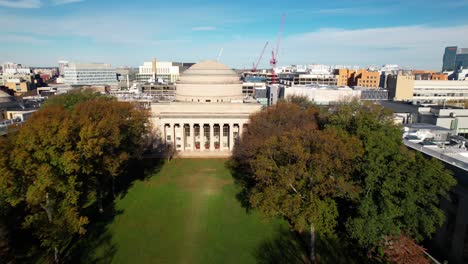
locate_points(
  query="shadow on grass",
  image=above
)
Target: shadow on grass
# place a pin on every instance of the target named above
(138, 170)
(284, 247)
(96, 246)
(291, 247)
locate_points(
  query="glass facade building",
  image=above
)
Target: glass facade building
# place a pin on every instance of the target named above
(455, 58)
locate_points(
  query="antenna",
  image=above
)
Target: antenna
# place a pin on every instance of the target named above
(219, 54)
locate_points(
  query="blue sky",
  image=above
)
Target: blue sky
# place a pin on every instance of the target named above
(358, 32)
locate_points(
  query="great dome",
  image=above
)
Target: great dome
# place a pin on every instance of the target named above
(209, 81)
(209, 72)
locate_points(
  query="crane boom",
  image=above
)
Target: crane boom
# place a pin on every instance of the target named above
(279, 35)
(274, 53)
(260, 58)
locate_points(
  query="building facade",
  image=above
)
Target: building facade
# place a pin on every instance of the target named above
(150, 71)
(208, 116)
(90, 74)
(455, 58)
(323, 96)
(406, 88)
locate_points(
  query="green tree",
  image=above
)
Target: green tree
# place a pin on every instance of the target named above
(400, 189)
(344, 162)
(72, 98)
(297, 170)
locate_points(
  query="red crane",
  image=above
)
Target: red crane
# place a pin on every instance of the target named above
(255, 65)
(274, 53)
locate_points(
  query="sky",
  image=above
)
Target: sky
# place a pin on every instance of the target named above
(412, 33)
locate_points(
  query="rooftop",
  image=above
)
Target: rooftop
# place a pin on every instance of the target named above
(454, 155)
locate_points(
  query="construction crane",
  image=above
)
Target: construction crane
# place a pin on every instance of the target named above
(274, 53)
(255, 65)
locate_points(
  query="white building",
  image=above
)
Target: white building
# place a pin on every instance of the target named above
(439, 91)
(322, 95)
(90, 74)
(163, 70)
(208, 116)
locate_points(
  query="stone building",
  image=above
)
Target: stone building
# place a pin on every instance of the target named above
(208, 115)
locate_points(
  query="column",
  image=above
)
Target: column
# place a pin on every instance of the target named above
(231, 136)
(202, 137)
(174, 141)
(241, 130)
(212, 137)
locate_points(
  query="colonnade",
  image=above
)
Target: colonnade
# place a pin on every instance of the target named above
(205, 136)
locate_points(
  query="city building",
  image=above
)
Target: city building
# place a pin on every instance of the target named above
(209, 113)
(406, 88)
(19, 86)
(455, 58)
(450, 241)
(364, 78)
(361, 78)
(90, 74)
(62, 65)
(153, 71)
(322, 95)
(429, 75)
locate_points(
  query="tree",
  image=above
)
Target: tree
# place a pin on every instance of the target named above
(46, 179)
(70, 99)
(62, 159)
(314, 166)
(297, 173)
(108, 139)
(400, 189)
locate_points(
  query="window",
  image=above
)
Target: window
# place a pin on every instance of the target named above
(168, 137)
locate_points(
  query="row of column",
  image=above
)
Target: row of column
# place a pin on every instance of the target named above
(202, 136)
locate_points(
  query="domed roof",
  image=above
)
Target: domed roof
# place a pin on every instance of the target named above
(209, 65)
(209, 72)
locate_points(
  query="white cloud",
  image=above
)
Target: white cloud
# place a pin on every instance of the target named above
(21, 3)
(204, 28)
(64, 2)
(22, 39)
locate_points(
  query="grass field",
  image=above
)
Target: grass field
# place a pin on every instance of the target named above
(186, 213)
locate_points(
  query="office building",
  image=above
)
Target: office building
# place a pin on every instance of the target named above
(90, 74)
(455, 58)
(404, 87)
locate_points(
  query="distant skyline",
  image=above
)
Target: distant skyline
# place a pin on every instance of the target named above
(126, 33)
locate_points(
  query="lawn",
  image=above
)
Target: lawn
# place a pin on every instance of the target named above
(186, 213)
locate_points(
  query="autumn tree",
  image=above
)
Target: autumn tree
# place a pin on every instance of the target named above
(109, 134)
(402, 249)
(44, 178)
(64, 160)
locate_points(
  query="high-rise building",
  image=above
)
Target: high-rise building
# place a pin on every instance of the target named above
(461, 61)
(90, 74)
(455, 58)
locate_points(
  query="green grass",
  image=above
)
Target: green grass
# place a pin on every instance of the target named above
(186, 213)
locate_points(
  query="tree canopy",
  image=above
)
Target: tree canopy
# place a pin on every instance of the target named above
(65, 158)
(314, 166)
